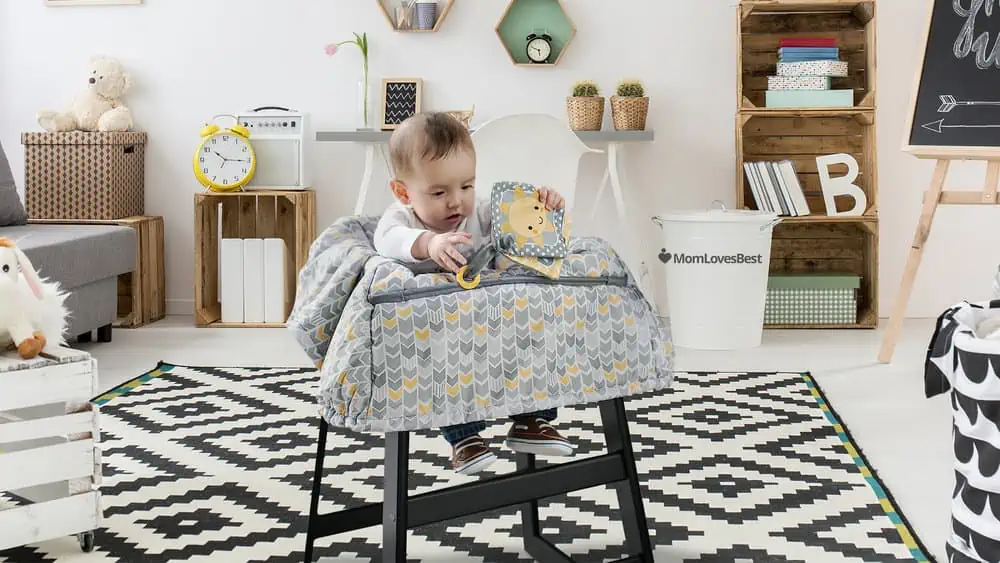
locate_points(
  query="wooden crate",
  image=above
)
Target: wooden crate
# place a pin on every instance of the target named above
(38, 450)
(801, 138)
(142, 296)
(817, 242)
(289, 215)
(762, 24)
(831, 247)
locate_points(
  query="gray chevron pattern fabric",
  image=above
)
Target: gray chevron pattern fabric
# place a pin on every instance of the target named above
(408, 351)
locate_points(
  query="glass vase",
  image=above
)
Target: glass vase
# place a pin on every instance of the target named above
(366, 105)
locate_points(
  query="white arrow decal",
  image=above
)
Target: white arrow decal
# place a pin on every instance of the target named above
(937, 126)
(949, 103)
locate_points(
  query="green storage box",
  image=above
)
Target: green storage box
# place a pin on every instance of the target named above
(812, 299)
(809, 98)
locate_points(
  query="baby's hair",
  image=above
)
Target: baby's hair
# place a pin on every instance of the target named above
(426, 136)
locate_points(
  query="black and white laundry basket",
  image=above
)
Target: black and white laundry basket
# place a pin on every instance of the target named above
(964, 358)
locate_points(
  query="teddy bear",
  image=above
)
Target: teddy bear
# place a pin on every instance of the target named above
(99, 107)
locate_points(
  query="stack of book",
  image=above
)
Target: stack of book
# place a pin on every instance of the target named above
(775, 187)
(252, 280)
(805, 67)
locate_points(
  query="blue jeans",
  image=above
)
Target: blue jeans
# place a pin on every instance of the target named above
(457, 433)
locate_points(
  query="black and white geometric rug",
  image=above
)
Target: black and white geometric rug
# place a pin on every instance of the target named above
(215, 464)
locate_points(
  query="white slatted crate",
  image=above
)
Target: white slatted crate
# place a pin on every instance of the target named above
(41, 450)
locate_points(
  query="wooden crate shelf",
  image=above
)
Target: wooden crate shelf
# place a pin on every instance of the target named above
(839, 247)
(289, 215)
(142, 293)
(142, 297)
(763, 24)
(816, 243)
(771, 137)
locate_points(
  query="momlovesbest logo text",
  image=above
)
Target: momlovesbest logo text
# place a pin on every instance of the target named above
(706, 258)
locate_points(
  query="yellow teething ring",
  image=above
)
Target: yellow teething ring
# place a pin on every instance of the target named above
(460, 276)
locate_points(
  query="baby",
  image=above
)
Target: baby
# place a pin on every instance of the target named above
(436, 214)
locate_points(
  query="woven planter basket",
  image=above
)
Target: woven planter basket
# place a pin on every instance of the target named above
(629, 114)
(585, 113)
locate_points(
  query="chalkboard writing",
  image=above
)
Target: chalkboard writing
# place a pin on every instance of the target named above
(958, 94)
(401, 99)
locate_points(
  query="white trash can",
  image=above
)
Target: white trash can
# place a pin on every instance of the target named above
(716, 268)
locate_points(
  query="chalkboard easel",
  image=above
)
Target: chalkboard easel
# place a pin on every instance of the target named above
(955, 115)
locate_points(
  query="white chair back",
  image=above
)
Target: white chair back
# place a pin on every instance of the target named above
(532, 147)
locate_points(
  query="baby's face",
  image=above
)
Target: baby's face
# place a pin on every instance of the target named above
(442, 192)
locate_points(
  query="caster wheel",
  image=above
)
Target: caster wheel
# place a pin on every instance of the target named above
(86, 541)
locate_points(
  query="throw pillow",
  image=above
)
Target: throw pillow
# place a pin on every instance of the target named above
(11, 209)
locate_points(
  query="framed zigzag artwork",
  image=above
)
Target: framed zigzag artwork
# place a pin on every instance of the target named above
(400, 100)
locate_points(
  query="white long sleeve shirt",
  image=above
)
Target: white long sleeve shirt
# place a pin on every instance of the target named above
(400, 227)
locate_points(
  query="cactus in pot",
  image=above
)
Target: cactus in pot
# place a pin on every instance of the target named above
(586, 88)
(631, 89)
(630, 106)
(585, 107)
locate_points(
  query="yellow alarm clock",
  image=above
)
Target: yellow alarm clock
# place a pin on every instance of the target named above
(224, 161)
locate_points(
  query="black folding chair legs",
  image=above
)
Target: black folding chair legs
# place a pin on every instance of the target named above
(524, 488)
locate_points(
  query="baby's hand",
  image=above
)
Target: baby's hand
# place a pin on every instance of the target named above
(442, 249)
(552, 198)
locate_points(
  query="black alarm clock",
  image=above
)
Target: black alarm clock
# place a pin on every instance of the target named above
(539, 48)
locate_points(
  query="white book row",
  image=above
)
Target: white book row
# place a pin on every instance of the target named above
(776, 188)
(252, 280)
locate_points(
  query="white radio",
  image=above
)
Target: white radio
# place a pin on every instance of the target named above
(278, 138)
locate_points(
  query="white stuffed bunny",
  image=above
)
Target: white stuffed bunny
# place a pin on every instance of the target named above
(32, 311)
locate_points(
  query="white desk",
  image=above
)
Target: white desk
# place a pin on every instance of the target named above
(614, 139)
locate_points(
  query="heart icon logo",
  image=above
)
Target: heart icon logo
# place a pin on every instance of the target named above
(665, 256)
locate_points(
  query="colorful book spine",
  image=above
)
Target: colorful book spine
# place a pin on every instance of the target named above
(795, 54)
(808, 42)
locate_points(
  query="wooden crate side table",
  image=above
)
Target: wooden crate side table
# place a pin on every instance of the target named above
(142, 296)
(286, 214)
(61, 375)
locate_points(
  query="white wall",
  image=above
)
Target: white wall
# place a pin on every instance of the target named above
(246, 53)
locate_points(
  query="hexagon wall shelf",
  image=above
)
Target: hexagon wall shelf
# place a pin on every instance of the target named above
(524, 17)
(389, 7)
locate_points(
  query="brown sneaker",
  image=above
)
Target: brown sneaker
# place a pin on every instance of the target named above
(537, 436)
(471, 455)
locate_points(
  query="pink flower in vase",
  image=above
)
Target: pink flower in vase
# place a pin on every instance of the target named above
(361, 41)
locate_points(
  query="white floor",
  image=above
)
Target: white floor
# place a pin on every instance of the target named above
(906, 437)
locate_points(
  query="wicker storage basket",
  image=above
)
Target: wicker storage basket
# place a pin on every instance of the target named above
(585, 113)
(628, 113)
(84, 175)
